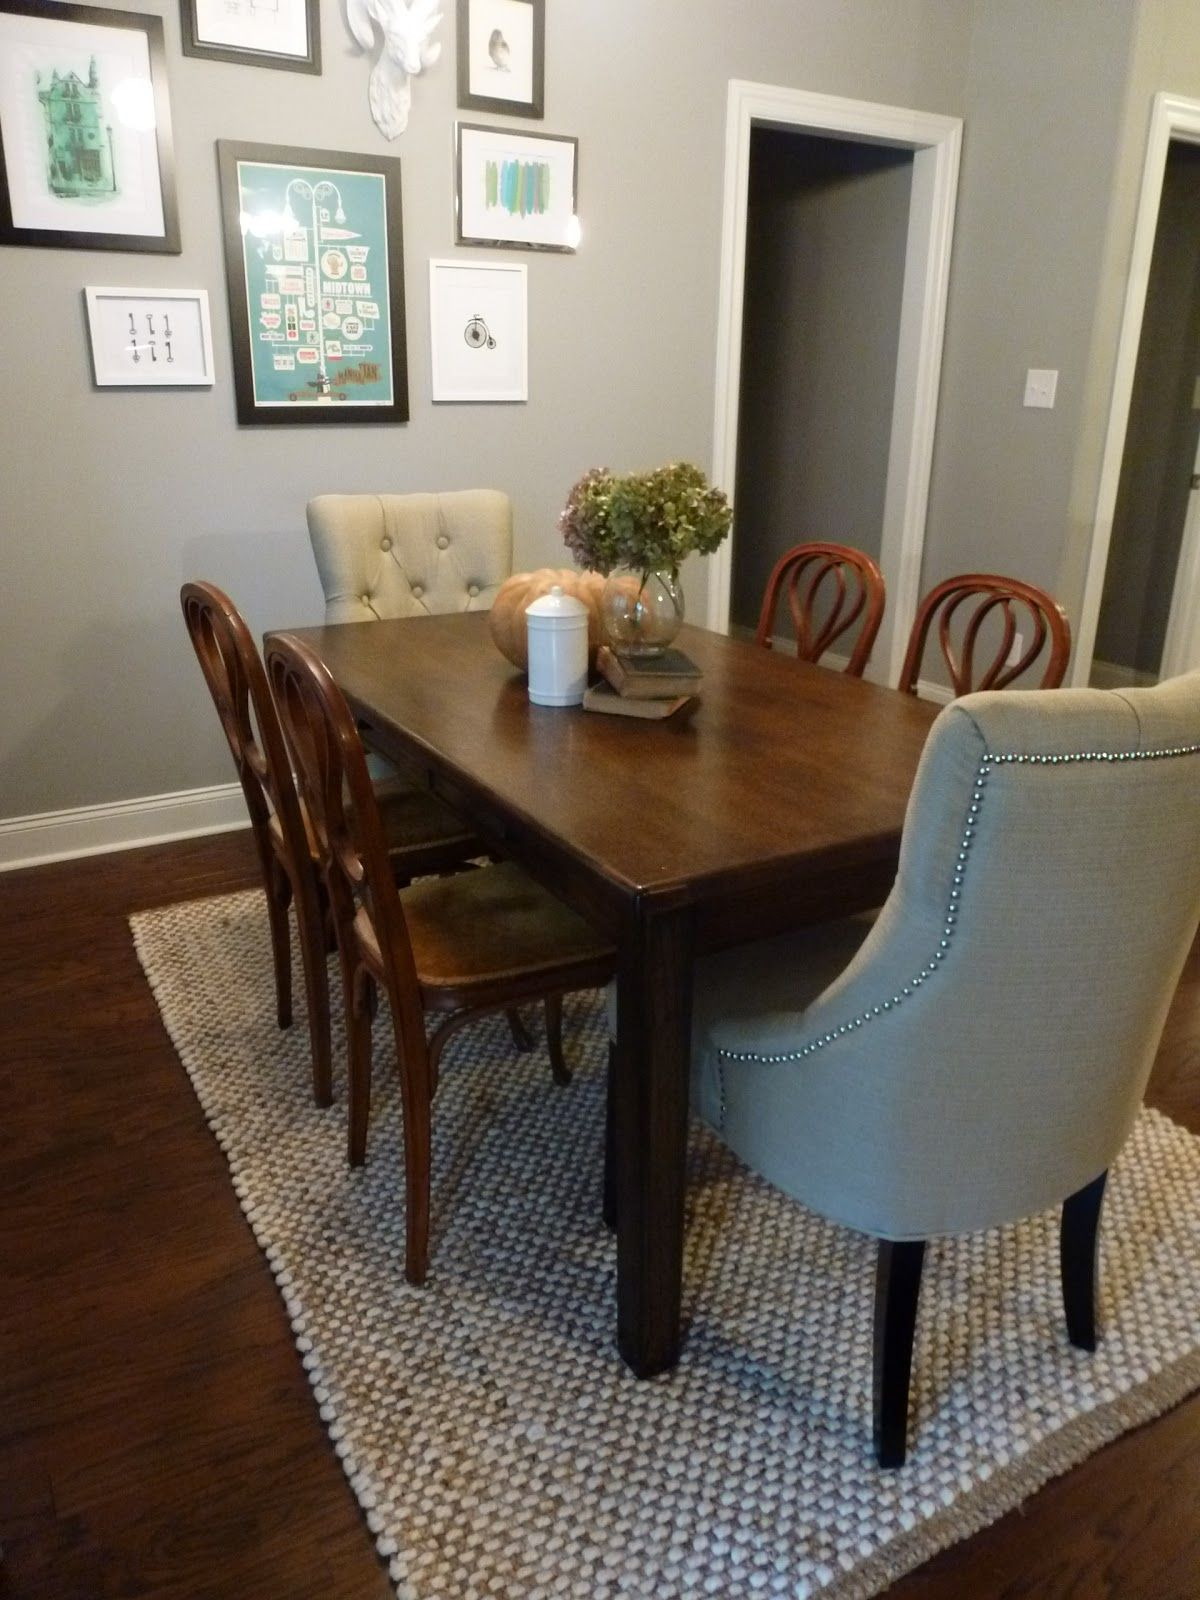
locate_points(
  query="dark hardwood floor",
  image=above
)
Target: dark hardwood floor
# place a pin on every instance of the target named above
(157, 1434)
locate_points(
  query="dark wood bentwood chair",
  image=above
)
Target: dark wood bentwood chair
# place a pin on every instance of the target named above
(1021, 607)
(458, 947)
(828, 587)
(424, 835)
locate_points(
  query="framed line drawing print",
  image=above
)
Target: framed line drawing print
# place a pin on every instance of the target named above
(314, 262)
(279, 33)
(150, 338)
(478, 326)
(501, 56)
(515, 189)
(86, 159)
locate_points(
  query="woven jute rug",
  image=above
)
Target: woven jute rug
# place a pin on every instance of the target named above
(494, 1439)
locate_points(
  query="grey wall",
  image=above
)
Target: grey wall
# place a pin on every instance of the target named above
(826, 234)
(111, 499)
(1043, 107)
(1160, 443)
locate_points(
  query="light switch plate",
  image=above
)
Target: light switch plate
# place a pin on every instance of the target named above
(1040, 386)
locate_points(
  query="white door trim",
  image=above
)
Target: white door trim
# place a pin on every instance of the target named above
(1181, 643)
(935, 142)
(1173, 117)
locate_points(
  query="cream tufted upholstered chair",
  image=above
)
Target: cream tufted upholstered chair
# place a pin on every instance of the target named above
(979, 1051)
(406, 555)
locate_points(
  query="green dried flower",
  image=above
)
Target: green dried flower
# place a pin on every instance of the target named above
(647, 520)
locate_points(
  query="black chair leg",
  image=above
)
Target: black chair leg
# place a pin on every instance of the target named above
(1079, 1258)
(610, 1158)
(897, 1288)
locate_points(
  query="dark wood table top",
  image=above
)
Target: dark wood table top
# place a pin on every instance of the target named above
(780, 771)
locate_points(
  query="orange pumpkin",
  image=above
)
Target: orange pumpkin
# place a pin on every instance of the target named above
(507, 616)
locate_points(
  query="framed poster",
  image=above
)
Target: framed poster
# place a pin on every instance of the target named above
(279, 33)
(150, 338)
(314, 259)
(501, 56)
(85, 129)
(515, 189)
(478, 325)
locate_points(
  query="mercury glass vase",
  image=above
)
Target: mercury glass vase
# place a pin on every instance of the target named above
(642, 611)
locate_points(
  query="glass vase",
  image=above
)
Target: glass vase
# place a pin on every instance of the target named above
(642, 611)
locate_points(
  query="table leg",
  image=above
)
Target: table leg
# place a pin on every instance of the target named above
(654, 1024)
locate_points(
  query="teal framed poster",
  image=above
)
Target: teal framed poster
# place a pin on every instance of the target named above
(314, 261)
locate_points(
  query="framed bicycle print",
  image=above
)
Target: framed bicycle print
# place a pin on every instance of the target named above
(85, 129)
(478, 330)
(314, 262)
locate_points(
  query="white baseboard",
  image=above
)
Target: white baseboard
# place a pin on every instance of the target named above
(92, 830)
(1111, 675)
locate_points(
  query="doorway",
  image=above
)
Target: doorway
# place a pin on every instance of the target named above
(1140, 618)
(826, 238)
(927, 148)
(1145, 629)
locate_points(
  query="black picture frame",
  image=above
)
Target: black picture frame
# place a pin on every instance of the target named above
(83, 164)
(250, 55)
(472, 14)
(356, 258)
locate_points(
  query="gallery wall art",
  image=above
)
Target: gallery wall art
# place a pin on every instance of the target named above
(478, 325)
(515, 189)
(314, 261)
(85, 129)
(283, 33)
(501, 56)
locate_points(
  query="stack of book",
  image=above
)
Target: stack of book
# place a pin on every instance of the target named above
(643, 686)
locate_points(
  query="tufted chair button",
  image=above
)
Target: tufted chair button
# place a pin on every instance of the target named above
(366, 599)
(472, 590)
(385, 543)
(442, 541)
(418, 591)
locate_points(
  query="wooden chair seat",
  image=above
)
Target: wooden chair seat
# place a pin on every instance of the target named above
(491, 936)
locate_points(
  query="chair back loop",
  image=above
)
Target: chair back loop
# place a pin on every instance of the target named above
(1022, 608)
(827, 587)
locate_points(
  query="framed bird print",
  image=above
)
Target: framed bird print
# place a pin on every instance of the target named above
(501, 56)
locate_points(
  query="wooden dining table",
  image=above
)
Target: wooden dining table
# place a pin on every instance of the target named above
(774, 800)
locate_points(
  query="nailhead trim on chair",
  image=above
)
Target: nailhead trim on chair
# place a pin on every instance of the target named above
(988, 761)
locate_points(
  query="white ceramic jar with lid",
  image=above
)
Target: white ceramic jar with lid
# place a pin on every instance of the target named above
(557, 626)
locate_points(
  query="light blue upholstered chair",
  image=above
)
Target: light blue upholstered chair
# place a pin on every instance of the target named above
(979, 1051)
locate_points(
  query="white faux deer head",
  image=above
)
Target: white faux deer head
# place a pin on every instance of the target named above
(406, 26)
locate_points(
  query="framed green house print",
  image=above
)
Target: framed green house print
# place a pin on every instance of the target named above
(85, 129)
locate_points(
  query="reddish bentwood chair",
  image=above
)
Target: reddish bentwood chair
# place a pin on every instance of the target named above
(460, 946)
(1037, 618)
(424, 835)
(831, 582)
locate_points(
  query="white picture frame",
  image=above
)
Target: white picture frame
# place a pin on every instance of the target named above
(479, 330)
(150, 338)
